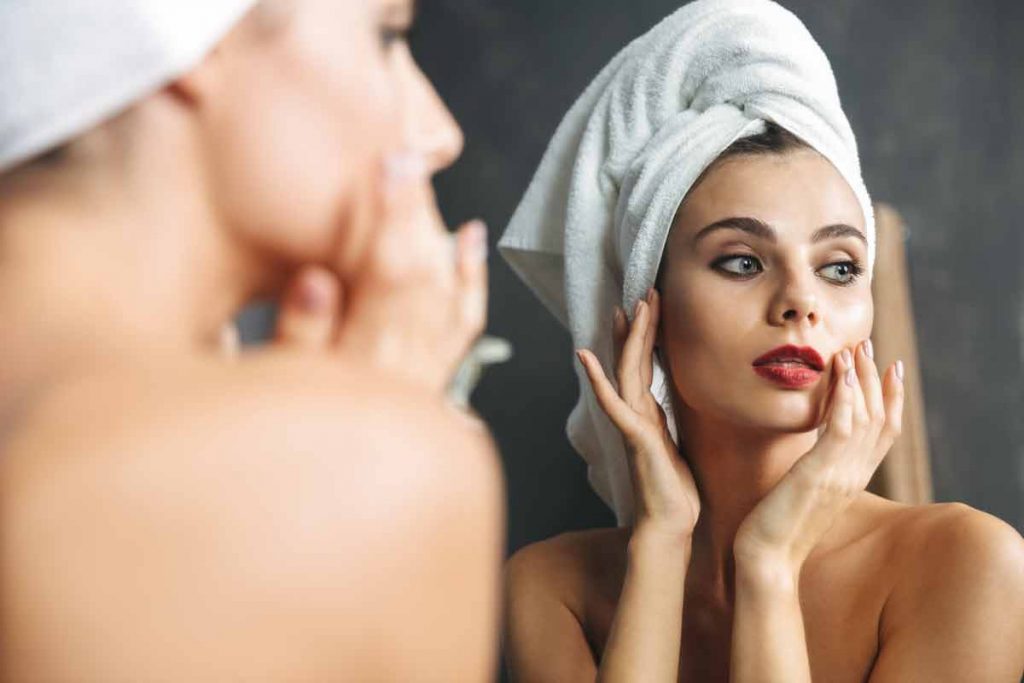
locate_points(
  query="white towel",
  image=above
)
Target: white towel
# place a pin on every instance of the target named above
(590, 230)
(67, 65)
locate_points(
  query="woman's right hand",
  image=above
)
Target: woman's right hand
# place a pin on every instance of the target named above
(418, 301)
(664, 491)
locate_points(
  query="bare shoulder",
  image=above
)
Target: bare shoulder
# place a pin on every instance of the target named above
(277, 427)
(956, 608)
(935, 539)
(943, 536)
(552, 589)
(284, 502)
(274, 404)
(571, 565)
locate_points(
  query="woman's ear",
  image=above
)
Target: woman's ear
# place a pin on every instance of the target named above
(192, 87)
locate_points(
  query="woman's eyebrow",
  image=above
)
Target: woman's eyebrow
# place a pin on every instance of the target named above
(762, 230)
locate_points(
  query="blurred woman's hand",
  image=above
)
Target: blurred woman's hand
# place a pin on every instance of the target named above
(420, 299)
(417, 305)
(864, 417)
(664, 492)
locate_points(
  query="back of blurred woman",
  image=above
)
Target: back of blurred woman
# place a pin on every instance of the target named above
(309, 511)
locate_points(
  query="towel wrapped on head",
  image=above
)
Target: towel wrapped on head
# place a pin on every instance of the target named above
(590, 231)
(68, 65)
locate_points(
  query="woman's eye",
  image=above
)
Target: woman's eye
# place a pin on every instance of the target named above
(843, 273)
(739, 265)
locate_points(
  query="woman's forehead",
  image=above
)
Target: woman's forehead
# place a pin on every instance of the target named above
(796, 192)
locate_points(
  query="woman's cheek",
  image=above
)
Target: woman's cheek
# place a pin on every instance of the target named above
(853, 319)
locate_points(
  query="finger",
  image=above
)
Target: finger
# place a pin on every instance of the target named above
(309, 310)
(894, 392)
(230, 341)
(471, 258)
(629, 364)
(620, 330)
(406, 228)
(840, 422)
(650, 337)
(860, 410)
(609, 400)
(828, 403)
(405, 186)
(871, 386)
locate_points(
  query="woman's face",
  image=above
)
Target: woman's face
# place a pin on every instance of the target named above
(764, 252)
(311, 97)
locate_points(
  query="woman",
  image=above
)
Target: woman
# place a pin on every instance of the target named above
(309, 512)
(751, 551)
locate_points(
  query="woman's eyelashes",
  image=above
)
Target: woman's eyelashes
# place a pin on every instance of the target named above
(739, 265)
(747, 266)
(846, 272)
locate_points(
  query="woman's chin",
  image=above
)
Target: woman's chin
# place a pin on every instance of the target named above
(790, 411)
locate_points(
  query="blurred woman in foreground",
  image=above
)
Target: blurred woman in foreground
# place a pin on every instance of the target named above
(308, 511)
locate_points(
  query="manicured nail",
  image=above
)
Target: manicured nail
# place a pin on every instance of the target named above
(899, 370)
(636, 311)
(403, 167)
(313, 293)
(868, 349)
(847, 359)
(851, 377)
(477, 237)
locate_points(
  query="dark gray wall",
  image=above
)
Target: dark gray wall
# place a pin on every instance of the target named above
(935, 92)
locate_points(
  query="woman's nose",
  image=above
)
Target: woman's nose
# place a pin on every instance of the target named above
(795, 303)
(433, 131)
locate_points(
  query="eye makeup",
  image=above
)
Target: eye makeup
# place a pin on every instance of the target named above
(745, 266)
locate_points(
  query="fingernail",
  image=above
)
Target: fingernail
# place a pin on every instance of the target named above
(477, 240)
(639, 304)
(846, 356)
(404, 167)
(899, 370)
(650, 294)
(869, 349)
(313, 293)
(620, 315)
(851, 377)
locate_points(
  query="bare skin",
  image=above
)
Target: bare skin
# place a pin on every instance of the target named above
(759, 556)
(308, 511)
(211, 522)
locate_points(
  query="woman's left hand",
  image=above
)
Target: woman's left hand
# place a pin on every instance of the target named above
(863, 419)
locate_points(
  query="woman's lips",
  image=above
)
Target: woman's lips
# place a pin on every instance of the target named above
(790, 374)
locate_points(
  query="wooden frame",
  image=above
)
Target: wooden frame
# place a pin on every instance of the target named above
(905, 474)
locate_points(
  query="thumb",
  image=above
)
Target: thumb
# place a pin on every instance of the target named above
(309, 309)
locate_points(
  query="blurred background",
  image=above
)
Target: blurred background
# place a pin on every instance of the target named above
(934, 90)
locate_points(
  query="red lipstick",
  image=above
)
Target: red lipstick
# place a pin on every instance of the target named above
(790, 366)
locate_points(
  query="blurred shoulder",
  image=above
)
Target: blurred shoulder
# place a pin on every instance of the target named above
(297, 507)
(269, 394)
(282, 415)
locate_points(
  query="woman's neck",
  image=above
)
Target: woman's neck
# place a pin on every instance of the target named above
(734, 468)
(100, 270)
